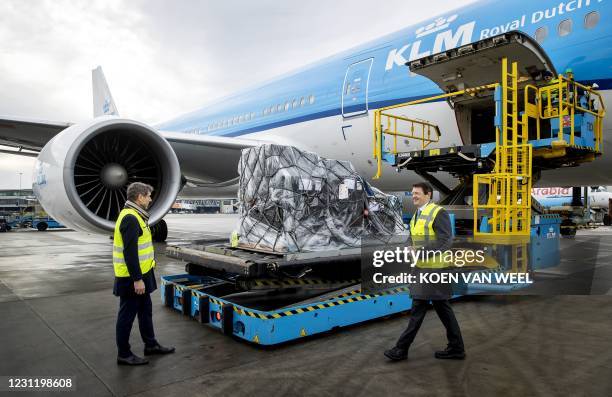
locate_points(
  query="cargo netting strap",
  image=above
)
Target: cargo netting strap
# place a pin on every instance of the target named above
(296, 201)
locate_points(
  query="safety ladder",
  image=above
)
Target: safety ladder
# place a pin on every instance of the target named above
(508, 188)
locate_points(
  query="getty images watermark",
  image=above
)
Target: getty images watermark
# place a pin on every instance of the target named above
(463, 267)
(538, 265)
(431, 262)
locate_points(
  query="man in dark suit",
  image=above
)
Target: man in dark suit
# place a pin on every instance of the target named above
(134, 263)
(430, 228)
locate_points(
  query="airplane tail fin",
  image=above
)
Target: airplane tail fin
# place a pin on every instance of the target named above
(103, 103)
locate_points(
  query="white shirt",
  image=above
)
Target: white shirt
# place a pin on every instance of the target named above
(421, 208)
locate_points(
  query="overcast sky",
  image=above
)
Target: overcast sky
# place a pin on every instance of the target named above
(165, 58)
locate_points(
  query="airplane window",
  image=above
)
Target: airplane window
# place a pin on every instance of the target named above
(591, 19)
(565, 27)
(295, 103)
(240, 119)
(541, 33)
(272, 109)
(287, 106)
(279, 108)
(252, 115)
(302, 101)
(311, 99)
(235, 120)
(265, 111)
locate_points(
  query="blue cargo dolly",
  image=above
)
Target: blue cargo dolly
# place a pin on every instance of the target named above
(186, 293)
(208, 299)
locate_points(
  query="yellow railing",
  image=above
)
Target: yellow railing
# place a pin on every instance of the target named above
(508, 187)
(508, 195)
(531, 108)
(425, 133)
(561, 99)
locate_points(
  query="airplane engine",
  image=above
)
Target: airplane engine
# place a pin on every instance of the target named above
(81, 175)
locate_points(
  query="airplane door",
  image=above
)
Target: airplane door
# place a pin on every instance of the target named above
(355, 88)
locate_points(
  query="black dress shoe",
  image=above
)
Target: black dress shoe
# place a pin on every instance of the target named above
(396, 354)
(159, 349)
(450, 354)
(132, 360)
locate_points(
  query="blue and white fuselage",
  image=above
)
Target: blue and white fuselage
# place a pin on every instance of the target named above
(82, 169)
(327, 107)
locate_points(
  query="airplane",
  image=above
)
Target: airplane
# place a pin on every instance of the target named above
(326, 107)
(560, 197)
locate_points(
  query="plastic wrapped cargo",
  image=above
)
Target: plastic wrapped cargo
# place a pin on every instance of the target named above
(296, 201)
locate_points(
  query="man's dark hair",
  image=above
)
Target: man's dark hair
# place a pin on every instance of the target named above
(138, 188)
(425, 187)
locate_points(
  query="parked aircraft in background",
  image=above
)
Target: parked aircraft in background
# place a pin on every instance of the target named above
(557, 197)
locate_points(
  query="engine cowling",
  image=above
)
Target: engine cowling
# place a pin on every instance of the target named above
(81, 175)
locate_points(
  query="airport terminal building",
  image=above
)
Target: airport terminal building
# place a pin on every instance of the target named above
(15, 201)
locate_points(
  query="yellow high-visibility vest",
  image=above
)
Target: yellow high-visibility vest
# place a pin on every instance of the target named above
(146, 252)
(423, 226)
(421, 230)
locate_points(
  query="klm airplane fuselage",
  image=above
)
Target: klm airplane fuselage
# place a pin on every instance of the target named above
(327, 107)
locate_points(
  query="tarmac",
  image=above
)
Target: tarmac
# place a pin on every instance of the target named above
(58, 317)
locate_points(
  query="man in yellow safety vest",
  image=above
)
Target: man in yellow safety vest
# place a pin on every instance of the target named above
(133, 262)
(430, 228)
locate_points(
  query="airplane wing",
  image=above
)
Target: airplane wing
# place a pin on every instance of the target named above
(25, 136)
(209, 161)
